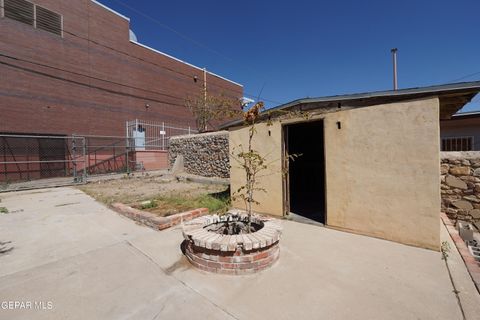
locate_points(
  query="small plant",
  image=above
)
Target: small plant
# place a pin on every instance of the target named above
(206, 108)
(149, 204)
(3, 210)
(445, 249)
(252, 163)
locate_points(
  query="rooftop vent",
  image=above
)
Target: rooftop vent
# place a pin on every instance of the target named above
(133, 36)
(19, 10)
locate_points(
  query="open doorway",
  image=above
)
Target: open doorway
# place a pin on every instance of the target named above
(305, 181)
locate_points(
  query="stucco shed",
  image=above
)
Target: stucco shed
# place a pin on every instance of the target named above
(368, 163)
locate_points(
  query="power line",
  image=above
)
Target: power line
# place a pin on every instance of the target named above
(87, 76)
(87, 85)
(261, 99)
(189, 76)
(465, 77)
(164, 67)
(185, 37)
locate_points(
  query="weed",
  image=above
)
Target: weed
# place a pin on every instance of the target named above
(3, 210)
(445, 248)
(149, 204)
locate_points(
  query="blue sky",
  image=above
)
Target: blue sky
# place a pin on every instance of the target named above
(296, 49)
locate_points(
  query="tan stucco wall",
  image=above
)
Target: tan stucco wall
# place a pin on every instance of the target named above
(269, 146)
(382, 171)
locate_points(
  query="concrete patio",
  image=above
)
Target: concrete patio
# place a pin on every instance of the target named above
(91, 263)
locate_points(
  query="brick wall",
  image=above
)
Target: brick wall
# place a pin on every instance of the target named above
(152, 160)
(95, 45)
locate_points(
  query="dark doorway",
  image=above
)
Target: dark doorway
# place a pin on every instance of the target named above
(306, 175)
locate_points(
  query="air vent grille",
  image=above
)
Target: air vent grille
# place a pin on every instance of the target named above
(48, 20)
(19, 10)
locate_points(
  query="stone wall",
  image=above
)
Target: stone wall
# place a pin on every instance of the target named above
(460, 187)
(204, 154)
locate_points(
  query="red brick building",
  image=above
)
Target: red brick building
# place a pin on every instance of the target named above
(81, 73)
(74, 67)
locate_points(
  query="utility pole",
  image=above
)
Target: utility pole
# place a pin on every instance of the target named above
(394, 57)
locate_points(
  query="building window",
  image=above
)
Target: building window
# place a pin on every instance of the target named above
(34, 15)
(457, 144)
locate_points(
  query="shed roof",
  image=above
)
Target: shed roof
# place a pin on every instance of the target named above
(466, 115)
(453, 96)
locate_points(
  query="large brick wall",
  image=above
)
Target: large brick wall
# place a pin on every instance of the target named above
(95, 45)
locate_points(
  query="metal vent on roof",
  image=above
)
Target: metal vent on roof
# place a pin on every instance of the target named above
(48, 20)
(19, 10)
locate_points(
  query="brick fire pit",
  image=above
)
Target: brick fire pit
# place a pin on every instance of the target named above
(231, 254)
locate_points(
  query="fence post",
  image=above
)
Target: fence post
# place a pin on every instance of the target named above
(163, 136)
(127, 144)
(188, 130)
(74, 156)
(84, 178)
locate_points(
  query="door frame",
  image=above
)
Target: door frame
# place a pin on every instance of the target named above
(285, 167)
(285, 173)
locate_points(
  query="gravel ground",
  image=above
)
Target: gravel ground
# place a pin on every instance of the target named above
(136, 189)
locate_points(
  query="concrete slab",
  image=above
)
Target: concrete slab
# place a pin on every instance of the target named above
(92, 263)
(50, 224)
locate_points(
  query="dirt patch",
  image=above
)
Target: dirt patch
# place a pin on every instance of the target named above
(161, 195)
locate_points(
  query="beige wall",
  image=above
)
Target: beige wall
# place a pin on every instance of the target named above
(269, 146)
(382, 171)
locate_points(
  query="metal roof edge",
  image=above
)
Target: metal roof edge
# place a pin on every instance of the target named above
(444, 88)
(375, 94)
(111, 10)
(160, 52)
(467, 114)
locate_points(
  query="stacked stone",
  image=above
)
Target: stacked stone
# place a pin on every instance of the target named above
(460, 188)
(204, 154)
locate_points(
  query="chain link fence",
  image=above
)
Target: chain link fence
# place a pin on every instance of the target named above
(30, 157)
(71, 159)
(62, 159)
(153, 135)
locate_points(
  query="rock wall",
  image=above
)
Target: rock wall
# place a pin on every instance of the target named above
(204, 154)
(460, 185)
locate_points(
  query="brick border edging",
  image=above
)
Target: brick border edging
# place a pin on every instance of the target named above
(232, 263)
(472, 265)
(156, 222)
(232, 254)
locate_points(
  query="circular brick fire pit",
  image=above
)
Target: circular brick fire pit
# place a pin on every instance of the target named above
(231, 254)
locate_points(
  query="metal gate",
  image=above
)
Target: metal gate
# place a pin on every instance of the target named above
(60, 160)
(51, 160)
(30, 157)
(108, 154)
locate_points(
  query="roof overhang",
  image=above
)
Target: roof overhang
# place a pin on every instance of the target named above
(452, 98)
